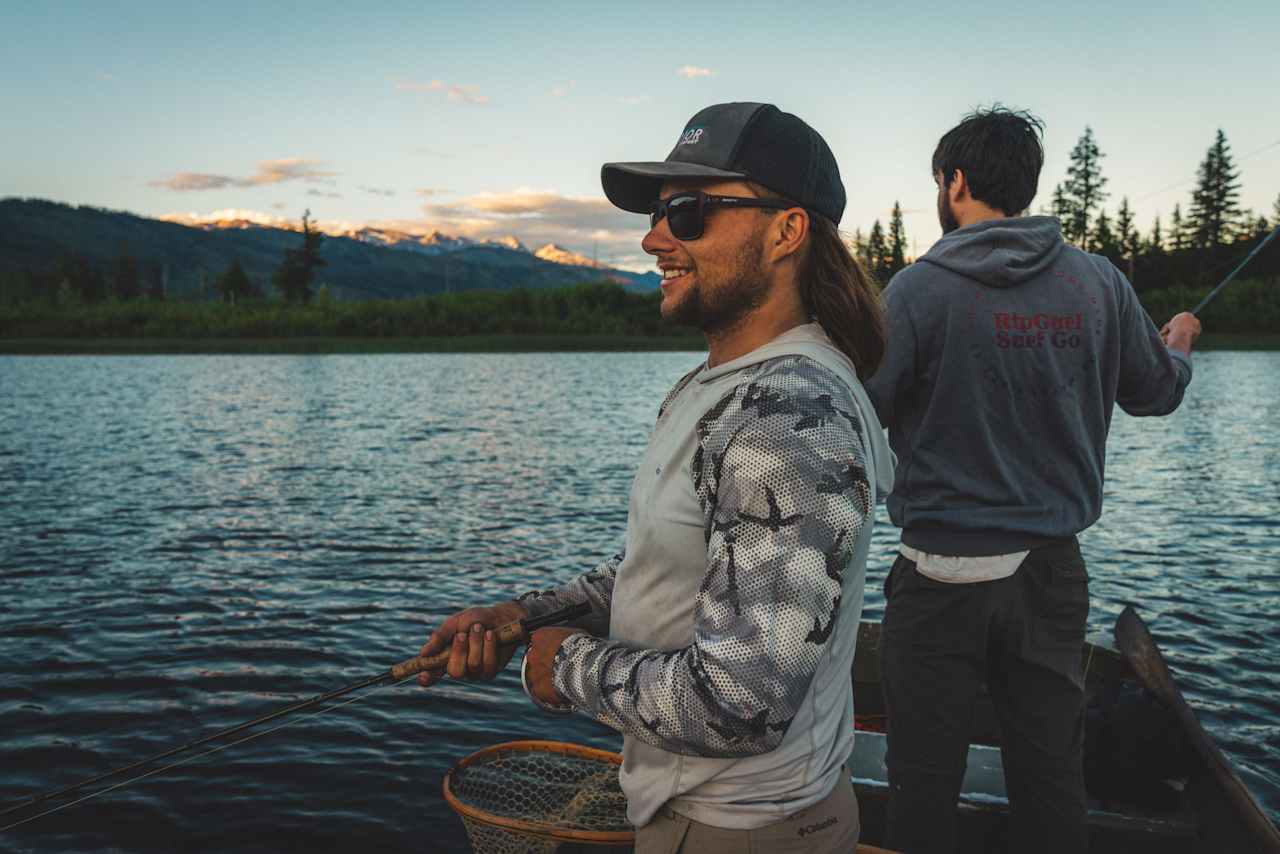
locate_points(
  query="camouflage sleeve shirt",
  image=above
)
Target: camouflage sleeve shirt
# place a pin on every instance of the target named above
(779, 474)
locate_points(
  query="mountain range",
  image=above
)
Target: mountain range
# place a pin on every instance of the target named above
(360, 262)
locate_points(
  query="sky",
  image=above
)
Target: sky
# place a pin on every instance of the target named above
(487, 119)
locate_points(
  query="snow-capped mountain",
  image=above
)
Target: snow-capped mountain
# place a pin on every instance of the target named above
(431, 242)
(560, 255)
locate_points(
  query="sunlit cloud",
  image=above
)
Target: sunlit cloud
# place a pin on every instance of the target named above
(428, 192)
(454, 92)
(269, 172)
(377, 191)
(692, 71)
(191, 181)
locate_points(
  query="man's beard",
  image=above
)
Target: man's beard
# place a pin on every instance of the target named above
(715, 306)
(946, 216)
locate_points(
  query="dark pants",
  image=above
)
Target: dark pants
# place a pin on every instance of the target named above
(1022, 637)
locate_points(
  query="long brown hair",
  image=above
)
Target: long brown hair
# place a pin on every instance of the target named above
(842, 296)
(838, 292)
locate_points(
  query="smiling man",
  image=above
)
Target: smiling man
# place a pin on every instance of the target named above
(721, 637)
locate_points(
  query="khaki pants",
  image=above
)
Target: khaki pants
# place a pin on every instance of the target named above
(828, 827)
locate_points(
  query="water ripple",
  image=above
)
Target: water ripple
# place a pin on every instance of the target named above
(193, 541)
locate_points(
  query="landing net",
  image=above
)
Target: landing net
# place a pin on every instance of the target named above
(539, 797)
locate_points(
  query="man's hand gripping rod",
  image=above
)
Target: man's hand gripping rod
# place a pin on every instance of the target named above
(513, 633)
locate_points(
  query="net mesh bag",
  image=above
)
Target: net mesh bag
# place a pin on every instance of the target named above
(539, 797)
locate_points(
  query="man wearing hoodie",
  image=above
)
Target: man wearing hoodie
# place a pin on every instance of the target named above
(721, 638)
(1007, 351)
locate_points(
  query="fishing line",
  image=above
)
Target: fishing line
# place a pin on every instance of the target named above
(218, 749)
(1186, 181)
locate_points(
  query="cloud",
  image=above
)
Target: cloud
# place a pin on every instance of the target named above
(269, 172)
(377, 192)
(632, 100)
(692, 71)
(279, 205)
(322, 194)
(427, 192)
(454, 92)
(188, 181)
(418, 86)
(561, 91)
(288, 169)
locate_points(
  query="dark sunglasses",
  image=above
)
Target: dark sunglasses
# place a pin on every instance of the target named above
(686, 213)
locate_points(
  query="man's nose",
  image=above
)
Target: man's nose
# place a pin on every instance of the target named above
(659, 239)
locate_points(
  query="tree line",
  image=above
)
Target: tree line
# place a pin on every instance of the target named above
(74, 279)
(592, 309)
(1187, 252)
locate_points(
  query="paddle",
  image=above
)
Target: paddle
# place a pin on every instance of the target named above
(1140, 651)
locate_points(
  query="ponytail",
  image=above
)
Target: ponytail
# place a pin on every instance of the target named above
(842, 296)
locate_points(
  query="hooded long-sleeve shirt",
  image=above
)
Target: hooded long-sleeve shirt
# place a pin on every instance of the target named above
(1007, 352)
(732, 612)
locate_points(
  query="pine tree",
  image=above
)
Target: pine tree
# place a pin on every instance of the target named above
(1155, 244)
(1213, 202)
(1084, 187)
(897, 241)
(1177, 230)
(1103, 240)
(858, 247)
(1275, 211)
(1256, 227)
(233, 285)
(878, 253)
(1127, 236)
(1130, 244)
(293, 278)
(1060, 206)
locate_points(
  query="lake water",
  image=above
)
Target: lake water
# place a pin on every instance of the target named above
(189, 542)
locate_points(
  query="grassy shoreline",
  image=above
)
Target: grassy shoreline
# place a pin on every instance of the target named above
(438, 344)
(351, 345)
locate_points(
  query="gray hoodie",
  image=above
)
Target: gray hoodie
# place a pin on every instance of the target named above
(1008, 350)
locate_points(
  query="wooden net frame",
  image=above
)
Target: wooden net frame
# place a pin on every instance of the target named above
(527, 796)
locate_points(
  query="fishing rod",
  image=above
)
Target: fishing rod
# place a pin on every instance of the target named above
(1213, 293)
(513, 633)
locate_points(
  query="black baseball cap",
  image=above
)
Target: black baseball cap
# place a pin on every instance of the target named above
(757, 142)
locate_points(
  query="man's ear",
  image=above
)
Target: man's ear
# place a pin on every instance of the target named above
(787, 233)
(958, 189)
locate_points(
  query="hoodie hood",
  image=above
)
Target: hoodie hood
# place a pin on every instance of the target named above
(999, 253)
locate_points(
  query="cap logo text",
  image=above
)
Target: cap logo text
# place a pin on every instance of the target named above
(690, 136)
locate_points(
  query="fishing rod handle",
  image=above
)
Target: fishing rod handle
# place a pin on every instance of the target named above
(510, 634)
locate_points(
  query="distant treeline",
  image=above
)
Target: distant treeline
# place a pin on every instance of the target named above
(598, 309)
(606, 309)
